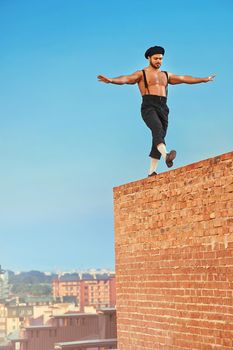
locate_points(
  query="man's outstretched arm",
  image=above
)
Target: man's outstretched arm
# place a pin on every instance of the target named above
(187, 79)
(124, 79)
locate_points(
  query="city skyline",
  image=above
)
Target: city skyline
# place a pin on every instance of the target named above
(66, 140)
(63, 271)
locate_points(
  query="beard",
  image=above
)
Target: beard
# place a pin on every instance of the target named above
(155, 65)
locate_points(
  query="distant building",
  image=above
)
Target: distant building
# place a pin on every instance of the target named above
(99, 329)
(4, 285)
(2, 323)
(42, 300)
(46, 311)
(12, 318)
(6, 346)
(98, 293)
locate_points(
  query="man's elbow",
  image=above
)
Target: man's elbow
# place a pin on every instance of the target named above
(131, 82)
(175, 82)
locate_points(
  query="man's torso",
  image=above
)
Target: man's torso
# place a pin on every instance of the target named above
(157, 83)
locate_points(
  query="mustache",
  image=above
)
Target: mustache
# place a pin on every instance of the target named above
(156, 64)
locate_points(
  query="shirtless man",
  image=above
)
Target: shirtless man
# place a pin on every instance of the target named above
(152, 83)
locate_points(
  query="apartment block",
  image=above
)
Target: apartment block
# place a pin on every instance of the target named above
(98, 293)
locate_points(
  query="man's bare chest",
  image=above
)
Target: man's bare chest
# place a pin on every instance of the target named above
(156, 78)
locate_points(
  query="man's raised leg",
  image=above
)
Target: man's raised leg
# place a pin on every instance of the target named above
(167, 156)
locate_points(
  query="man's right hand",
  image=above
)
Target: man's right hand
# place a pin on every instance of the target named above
(211, 77)
(104, 79)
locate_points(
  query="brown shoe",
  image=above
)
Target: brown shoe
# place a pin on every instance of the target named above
(170, 157)
(153, 174)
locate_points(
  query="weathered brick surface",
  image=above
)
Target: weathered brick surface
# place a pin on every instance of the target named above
(174, 259)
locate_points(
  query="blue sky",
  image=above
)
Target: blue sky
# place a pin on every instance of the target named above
(66, 140)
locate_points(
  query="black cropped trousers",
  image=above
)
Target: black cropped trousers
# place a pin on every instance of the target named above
(155, 112)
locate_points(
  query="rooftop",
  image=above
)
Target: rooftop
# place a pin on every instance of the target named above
(85, 343)
(74, 315)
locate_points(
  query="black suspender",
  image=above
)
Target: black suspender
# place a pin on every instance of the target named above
(167, 82)
(145, 81)
(166, 74)
(146, 84)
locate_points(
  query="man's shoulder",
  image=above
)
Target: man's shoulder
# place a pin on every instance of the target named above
(138, 74)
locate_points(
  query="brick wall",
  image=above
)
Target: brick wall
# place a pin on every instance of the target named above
(174, 259)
